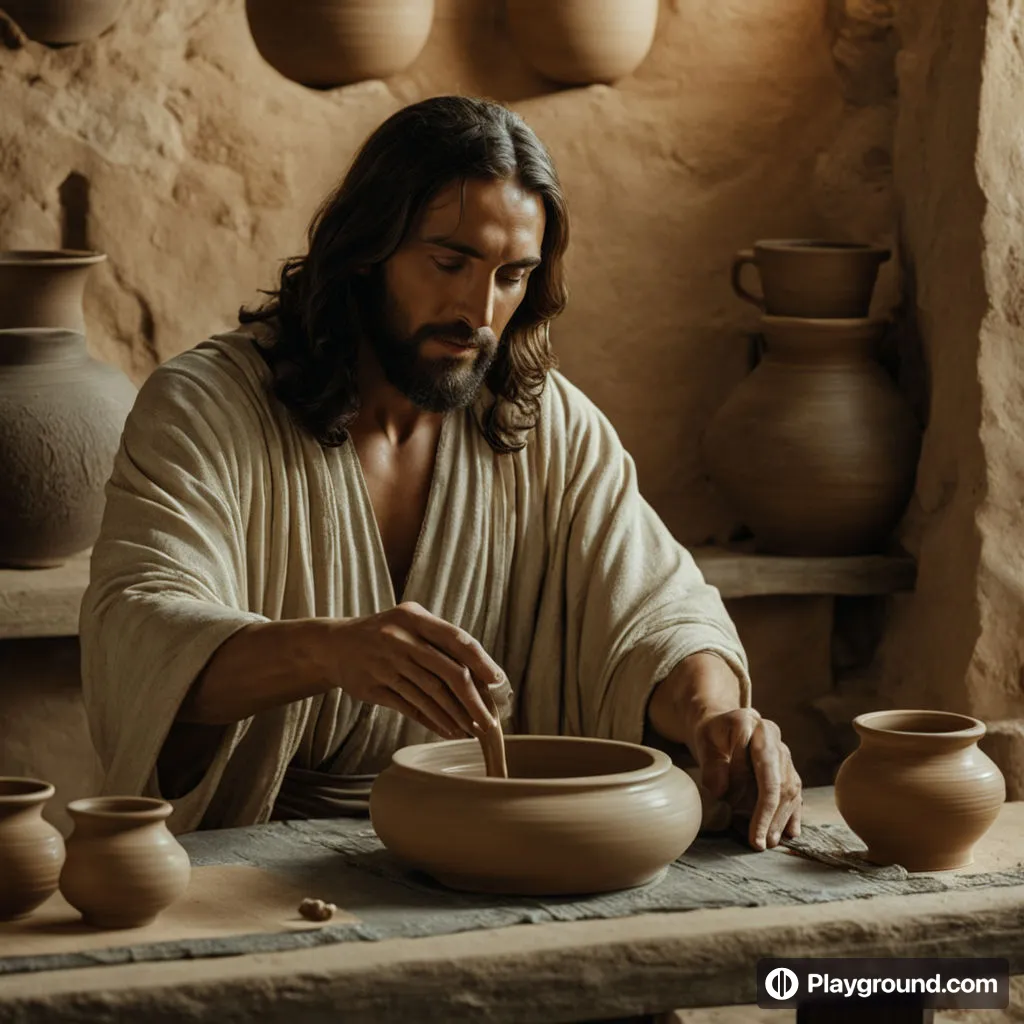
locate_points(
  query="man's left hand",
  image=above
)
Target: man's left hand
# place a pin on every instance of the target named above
(742, 755)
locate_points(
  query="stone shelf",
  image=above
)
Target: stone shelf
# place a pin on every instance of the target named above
(44, 602)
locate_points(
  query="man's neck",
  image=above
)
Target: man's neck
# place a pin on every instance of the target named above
(384, 411)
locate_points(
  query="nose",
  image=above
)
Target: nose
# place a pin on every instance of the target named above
(477, 302)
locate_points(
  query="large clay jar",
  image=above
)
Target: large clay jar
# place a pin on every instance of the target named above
(61, 417)
(123, 865)
(580, 42)
(816, 448)
(63, 21)
(31, 849)
(918, 790)
(574, 816)
(326, 43)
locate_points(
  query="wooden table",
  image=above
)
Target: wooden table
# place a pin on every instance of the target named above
(576, 971)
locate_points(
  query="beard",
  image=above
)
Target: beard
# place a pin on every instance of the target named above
(434, 384)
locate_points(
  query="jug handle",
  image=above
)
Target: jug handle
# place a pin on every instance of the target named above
(742, 258)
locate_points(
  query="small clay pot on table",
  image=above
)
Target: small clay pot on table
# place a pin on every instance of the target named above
(123, 865)
(31, 849)
(918, 790)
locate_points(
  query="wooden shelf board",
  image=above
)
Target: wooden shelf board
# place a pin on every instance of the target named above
(745, 574)
(44, 602)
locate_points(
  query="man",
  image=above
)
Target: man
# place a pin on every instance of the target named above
(375, 514)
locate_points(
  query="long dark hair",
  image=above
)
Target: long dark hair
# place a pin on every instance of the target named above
(416, 153)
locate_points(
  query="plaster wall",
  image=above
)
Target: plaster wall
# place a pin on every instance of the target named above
(170, 145)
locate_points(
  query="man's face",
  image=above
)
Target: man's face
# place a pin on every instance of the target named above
(444, 298)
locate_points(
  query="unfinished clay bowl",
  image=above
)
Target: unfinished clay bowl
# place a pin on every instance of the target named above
(918, 790)
(575, 815)
(327, 43)
(581, 42)
(123, 865)
(31, 849)
(811, 277)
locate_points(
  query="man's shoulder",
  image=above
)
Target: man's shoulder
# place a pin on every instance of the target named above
(568, 409)
(219, 366)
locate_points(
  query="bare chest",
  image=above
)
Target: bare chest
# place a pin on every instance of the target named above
(398, 485)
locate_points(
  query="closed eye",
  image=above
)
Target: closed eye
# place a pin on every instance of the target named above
(516, 277)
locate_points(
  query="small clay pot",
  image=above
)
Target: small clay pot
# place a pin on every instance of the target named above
(31, 849)
(327, 43)
(123, 865)
(811, 278)
(63, 21)
(918, 790)
(575, 815)
(581, 42)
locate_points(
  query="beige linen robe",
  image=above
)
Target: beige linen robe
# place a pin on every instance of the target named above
(221, 512)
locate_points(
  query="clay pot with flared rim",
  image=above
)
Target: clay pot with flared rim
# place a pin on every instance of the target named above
(61, 418)
(918, 790)
(63, 21)
(574, 816)
(44, 288)
(327, 43)
(31, 849)
(581, 42)
(810, 277)
(123, 865)
(816, 448)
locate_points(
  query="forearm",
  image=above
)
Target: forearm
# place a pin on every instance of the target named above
(262, 666)
(698, 687)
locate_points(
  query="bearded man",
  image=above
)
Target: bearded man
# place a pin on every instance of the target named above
(376, 513)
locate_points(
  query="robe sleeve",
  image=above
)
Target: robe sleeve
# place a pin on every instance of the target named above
(627, 600)
(168, 575)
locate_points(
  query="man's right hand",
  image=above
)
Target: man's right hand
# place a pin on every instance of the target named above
(410, 660)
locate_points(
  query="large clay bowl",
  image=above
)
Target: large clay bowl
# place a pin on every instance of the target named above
(575, 815)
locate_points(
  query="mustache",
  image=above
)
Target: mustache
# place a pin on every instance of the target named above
(461, 333)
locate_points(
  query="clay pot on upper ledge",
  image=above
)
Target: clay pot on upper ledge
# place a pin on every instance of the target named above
(63, 21)
(327, 43)
(583, 42)
(61, 412)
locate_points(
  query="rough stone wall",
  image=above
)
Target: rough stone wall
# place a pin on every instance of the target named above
(170, 145)
(957, 641)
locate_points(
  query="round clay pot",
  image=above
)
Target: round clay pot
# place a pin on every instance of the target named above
(31, 849)
(918, 790)
(326, 43)
(61, 417)
(580, 42)
(574, 816)
(43, 288)
(816, 448)
(123, 865)
(63, 21)
(811, 278)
